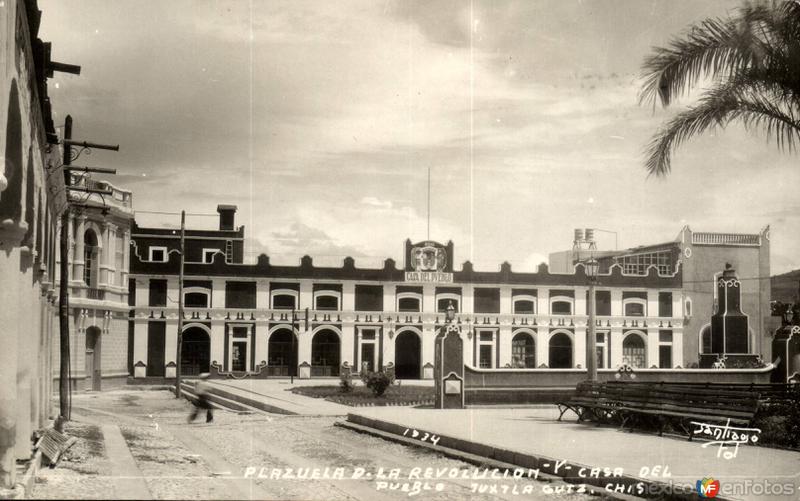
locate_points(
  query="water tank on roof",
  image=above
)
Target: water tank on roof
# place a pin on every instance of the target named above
(578, 234)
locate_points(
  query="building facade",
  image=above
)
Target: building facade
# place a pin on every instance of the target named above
(99, 251)
(309, 320)
(31, 200)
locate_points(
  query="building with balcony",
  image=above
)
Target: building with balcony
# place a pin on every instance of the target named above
(99, 252)
(309, 320)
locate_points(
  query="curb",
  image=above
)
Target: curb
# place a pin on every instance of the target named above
(473, 452)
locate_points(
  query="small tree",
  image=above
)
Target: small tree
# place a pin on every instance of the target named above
(345, 382)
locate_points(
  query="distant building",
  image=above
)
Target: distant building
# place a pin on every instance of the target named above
(702, 258)
(652, 305)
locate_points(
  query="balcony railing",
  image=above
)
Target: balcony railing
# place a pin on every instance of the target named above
(98, 294)
(391, 318)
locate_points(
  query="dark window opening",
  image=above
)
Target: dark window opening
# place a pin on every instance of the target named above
(158, 292)
(408, 304)
(240, 295)
(487, 300)
(327, 303)
(283, 302)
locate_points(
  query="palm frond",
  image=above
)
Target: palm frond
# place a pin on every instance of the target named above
(718, 108)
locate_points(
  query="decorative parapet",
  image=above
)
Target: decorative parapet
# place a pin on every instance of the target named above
(735, 239)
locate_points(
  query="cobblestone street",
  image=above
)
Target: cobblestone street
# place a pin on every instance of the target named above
(224, 460)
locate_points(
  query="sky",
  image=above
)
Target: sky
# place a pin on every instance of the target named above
(321, 119)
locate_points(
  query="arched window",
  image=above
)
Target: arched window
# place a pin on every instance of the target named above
(284, 299)
(634, 352)
(326, 300)
(11, 197)
(561, 307)
(409, 302)
(523, 353)
(90, 258)
(634, 307)
(443, 302)
(524, 306)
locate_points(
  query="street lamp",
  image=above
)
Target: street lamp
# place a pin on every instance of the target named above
(591, 266)
(450, 313)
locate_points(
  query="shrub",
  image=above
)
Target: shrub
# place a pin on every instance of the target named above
(377, 382)
(345, 382)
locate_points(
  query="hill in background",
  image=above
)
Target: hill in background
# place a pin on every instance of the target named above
(784, 287)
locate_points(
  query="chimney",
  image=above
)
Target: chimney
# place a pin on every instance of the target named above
(226, 217)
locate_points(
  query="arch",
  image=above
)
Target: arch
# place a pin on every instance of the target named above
(523, 350)
(282, 351)
(634, 349)
(408, 354)
(90, 257)
(325, 352)
(196, 297)
(11, 197)
(195, 349)
(94, 371)
(560, 351)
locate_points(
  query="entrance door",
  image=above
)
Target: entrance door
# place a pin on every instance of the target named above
(195, 351)
(93, 367)
(407, 355)
(368, 356)
(239, 356)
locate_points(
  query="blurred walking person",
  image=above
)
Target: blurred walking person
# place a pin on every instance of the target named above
(202, 402)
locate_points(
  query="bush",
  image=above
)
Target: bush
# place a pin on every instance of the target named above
(345, 382)
(377, 382)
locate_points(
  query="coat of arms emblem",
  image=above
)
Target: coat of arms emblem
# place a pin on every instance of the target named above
(428, 258)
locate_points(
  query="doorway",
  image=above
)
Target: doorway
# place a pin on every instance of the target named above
(407, 355)
(93, 366)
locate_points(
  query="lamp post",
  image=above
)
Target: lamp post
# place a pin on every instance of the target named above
(591, 267)
(450, 313)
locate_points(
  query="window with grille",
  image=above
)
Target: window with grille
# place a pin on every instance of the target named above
(637, 264)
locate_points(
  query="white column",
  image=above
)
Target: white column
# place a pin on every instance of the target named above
(142, 292)
(652, 345)
(173, 292)
(139, 344)
(304, 347)
(428, 299)
(218, 342)
(579, 346)
(616, 347)
(543, 302)
(468, 300)
(616, 303)
(504, 346)
(111, 254)
(677, 347)
(389, 303)
(218, 298)
(77, 244)
(580, 302)
(652, 304)
(171, 341)
(126, 258)
(262, 303)
(428, 340)
(348, 333)
(677, 304)
(349, 297)
(505, 300)
(103, 257)
(260, 337)
(542, 347)
(306, 298)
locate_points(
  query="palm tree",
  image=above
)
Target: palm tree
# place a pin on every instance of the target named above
(753, 61)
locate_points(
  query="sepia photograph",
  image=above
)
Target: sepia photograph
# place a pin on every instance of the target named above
(376, 250)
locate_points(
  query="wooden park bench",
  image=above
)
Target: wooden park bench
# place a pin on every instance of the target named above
(632, 403)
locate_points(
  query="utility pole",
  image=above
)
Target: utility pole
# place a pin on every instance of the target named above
(292, 361)
(180, 309)
(63, 295)
(65, 402)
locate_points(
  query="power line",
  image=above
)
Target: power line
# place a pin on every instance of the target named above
(175, 213)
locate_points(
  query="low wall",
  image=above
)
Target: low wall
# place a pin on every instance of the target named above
(525, 386)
